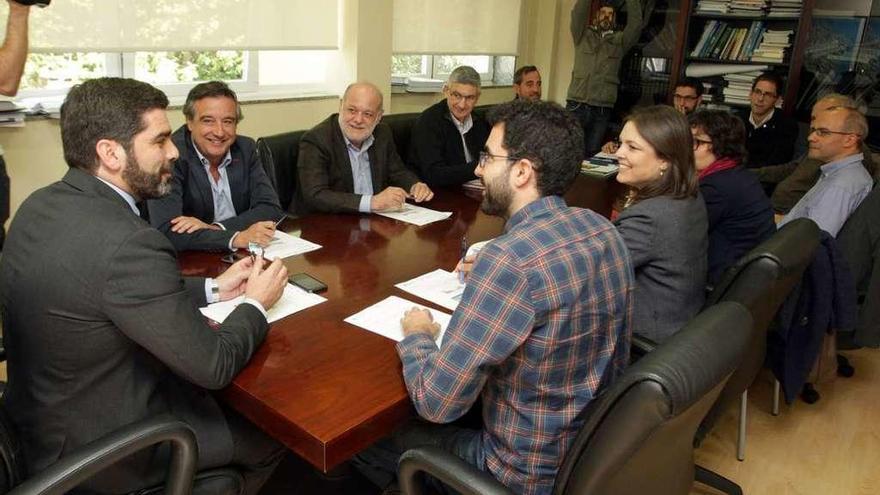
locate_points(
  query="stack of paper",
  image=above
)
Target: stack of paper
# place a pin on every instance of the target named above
(476, 185)
(773, 46)
(739, 87)
(11, 114)
(713, 6)
(753, 7)
(785, 8)
(423, 85)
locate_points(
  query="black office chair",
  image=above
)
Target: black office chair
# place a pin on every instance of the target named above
(279, 154)
(73, 469)
(401, 125)
(638, 434)
(760, 281)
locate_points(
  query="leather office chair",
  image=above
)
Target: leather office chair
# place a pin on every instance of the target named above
(75, 468)
(859, 240)
(401, 125)
(279, 154)
(760, 281)
(637, 435)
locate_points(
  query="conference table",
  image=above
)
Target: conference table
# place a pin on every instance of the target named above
(327, 389)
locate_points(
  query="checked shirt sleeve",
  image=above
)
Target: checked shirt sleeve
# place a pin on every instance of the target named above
(493, 320)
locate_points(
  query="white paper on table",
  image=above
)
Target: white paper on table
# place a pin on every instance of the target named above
(292, 300)
(284, 245)
(416, 215)
(384, 317)
(440, 287)
(709, 70)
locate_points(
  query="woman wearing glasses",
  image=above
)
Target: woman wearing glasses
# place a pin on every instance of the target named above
(663, 222)
(740, 215)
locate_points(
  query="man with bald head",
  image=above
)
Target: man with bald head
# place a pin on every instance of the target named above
(348, 162)
(835, 140)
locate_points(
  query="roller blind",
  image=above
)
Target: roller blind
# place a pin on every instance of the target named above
(488, 27)
(158, 25)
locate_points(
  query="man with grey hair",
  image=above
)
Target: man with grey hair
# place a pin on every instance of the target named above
(835, 139)
(448, 137)
(790, 181)
(221, 197)
(348, 162)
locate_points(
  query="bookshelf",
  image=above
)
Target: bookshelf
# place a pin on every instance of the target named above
(757, 33)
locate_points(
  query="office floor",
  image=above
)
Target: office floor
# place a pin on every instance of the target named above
(830, 447)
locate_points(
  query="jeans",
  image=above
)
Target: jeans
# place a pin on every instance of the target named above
(594, 122)
(378, 463)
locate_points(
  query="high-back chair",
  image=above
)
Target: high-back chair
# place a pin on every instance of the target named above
(760, 281)
(637, 436)
(279, 154)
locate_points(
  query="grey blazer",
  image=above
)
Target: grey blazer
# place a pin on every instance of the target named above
(667, 240)
(101, 331)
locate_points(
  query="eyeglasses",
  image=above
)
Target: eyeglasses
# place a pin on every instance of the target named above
(698, 142)
(457, 97)
(823, 132)
(486, 158)
(684, 97)
(760, 94)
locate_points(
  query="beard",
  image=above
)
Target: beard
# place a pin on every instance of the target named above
(497, 197)
(145, 185)
(605, 25)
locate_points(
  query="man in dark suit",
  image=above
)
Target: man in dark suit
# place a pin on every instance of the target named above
(100, 328)
(220, 197)
(770, 135)
(348, 162)
(448, 136)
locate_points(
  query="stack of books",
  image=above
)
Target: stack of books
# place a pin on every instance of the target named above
(752, 7)
(773, 46)
(738, 87)
(785, 8)
(713, 6)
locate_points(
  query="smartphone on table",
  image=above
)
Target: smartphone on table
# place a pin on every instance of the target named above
(307, 282)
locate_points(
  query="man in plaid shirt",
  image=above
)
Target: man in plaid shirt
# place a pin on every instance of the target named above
(544, 322)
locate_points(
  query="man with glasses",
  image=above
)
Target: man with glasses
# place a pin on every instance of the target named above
(448, 136)
(688, 95)
(770, 135)
(835, 140)
(544, 322)
(348, 162)
(790, 181)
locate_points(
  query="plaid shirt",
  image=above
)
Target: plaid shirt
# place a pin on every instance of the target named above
(543, 324)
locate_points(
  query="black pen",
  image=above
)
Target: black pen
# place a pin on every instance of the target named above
(464, 250)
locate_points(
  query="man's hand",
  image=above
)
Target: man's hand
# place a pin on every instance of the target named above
(421, 192)
(188, 225)
(417, 320)
(233, 281)
(260, 232)
(391, 199)
(266, 286)
(464, 267)
(610, 147)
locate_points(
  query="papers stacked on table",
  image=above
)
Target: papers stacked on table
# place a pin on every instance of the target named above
(416, 215)
(602, 164)
(292, 300)
(284, 245)
(384, 317)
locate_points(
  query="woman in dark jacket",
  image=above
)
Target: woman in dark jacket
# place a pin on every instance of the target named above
(740, 214)
(664, 220)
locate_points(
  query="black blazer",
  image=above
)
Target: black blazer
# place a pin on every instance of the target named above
(324, 167)
(253, 197)
(101, 331)
(435, 147)
(773, 142)
(740, 217)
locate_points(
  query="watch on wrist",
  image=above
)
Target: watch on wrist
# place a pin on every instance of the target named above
(215, 291)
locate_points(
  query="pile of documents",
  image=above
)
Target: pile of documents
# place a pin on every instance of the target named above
(785, 8)
(773, 46)
(738, 87)
(713, 6)
(601, 164)
(11, 114)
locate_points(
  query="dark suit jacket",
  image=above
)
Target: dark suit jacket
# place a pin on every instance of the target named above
(253, 197)
(101, 331)
(740, 217)
(667, 240)
(773, 142)
(324, 167)
(435, 147)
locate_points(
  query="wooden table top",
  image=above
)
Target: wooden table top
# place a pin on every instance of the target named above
(328, 389)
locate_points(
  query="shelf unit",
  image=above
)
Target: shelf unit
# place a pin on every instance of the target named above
(690, 29)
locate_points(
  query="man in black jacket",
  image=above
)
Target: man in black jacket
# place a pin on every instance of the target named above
(770, 135)
(448, 137)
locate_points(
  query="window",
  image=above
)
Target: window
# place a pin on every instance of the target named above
(492, 69)
(252, 74)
